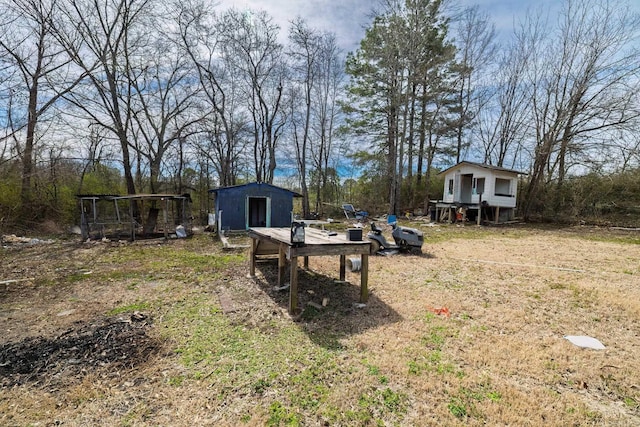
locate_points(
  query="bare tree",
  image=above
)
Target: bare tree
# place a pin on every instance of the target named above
(6, 103)
(100, 36)
(584, 86)
(503, 123)
(220, 85)
(249, 42)
(40, 76)
(327, 94)
(305, 53)
(163, 104)
(476, 51)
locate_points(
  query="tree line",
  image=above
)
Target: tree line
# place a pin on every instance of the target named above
(433, 85)
(111, 96)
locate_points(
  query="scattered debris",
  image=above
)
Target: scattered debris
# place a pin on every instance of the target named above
(136, 316)
(281, 288)
(66, 312)
(74, 229)
(6, 282)
(12, 239)
(325, 301)
(359, 305)
(444, 311)
(387, 253)
(585, 342)
(227, 245)
(181, 233)
(314, 305)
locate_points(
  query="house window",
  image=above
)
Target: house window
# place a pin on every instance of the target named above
(450, 186)
(503, 187)
(478, 186)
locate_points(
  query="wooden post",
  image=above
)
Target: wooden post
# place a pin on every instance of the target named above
(364, 278)
(132, 221)
(252, 256)
(293, 286)
(282, 263)
(165, 217)
(479, 218)
(343, 259)
(306, 262)
(497, 214)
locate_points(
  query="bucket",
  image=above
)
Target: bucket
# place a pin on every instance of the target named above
(354, 264)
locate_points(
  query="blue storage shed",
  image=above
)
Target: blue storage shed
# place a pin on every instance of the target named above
(256, 204)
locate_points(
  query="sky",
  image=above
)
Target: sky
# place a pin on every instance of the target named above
(349, 18)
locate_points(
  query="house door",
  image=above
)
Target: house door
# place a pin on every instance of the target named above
(258, 212)
(466, 184)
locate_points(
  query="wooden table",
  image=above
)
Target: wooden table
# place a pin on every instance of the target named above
(271, 241)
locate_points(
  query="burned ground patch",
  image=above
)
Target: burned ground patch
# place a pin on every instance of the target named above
(106, 343)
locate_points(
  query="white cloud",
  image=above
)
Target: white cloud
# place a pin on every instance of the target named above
(346, 18)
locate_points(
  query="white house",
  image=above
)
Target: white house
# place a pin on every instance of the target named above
(485, 189)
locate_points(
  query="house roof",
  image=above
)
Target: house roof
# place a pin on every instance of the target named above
(484, 166)
(253, 184)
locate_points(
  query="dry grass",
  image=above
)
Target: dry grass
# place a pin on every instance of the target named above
(499, 359)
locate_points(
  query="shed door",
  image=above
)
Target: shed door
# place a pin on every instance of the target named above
(258, 212)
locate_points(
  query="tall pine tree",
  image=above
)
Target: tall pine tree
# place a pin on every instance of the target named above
(398, 78)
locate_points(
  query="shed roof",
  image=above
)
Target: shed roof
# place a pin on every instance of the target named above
(484, 166)
(253, 184)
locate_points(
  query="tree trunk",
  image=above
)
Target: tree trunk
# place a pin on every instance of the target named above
(27, 153)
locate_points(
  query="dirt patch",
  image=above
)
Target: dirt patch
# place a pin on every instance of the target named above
(107, 343)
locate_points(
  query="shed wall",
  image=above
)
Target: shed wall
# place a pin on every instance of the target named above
(233, 203)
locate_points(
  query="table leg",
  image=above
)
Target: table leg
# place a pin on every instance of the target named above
(252, 256)
(364, 278)
(282, 263)
(343, 260)
(293, 289)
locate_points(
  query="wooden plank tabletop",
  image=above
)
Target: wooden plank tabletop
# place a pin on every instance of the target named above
(312, 236)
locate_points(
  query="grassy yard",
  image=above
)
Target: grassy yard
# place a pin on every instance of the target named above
(135, 334)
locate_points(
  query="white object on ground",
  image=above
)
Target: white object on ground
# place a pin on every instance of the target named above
(585, 341)
(181, 232)
(281, 288)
